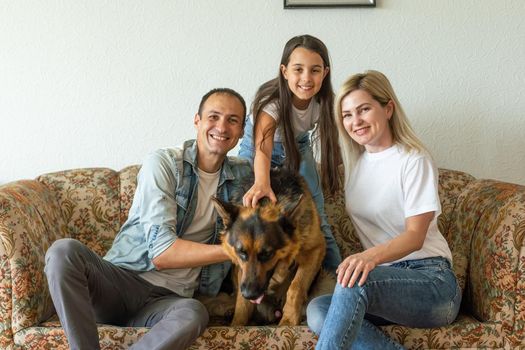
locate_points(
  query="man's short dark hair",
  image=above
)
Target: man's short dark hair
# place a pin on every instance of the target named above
(226, 91)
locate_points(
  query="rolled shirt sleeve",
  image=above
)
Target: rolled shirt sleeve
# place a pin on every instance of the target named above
(156, 204)
(152, 222)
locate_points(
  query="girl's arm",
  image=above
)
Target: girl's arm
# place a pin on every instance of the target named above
(262, 161)
(359, 265)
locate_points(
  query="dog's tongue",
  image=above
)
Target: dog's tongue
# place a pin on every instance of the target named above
(258, 300)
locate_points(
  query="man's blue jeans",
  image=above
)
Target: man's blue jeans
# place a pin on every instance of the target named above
(415, 293)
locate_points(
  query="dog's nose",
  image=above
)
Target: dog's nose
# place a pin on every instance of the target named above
(251, 291)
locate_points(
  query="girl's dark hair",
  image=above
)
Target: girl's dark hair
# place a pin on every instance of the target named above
(325, 133)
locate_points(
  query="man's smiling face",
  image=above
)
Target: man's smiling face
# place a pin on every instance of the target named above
(220, 125)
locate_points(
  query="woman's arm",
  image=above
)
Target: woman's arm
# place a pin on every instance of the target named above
(358, 266)
(262, 161)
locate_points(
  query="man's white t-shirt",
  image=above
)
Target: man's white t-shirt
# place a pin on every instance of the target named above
(185, 281)
(389, 186)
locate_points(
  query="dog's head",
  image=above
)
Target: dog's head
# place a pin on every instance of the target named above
(256, 239)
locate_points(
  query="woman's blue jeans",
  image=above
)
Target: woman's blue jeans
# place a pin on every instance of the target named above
(308, 170)
(415, 293)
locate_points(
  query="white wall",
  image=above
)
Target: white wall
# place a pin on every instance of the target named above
(102, 83)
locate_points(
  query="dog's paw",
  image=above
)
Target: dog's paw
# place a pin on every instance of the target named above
(239, 321)
(287, 321)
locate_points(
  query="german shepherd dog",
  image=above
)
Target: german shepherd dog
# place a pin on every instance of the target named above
(267, 242)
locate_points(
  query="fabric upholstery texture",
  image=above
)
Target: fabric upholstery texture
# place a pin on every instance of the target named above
(483, 221)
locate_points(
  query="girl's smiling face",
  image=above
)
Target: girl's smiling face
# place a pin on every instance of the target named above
(304, 73)
(367, 121)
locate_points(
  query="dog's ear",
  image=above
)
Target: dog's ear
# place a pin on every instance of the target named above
(290, 215)
(292, 210)
(226, 210)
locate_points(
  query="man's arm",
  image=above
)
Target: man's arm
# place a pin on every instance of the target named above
(183, 254)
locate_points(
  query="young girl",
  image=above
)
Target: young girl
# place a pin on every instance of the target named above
(404, 274)
(284, 111)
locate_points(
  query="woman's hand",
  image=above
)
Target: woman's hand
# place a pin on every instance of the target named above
(358, 266)
(355, 267)
(256, 192)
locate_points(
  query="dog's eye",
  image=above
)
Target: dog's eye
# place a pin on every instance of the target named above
(242, 254)
(265, 255)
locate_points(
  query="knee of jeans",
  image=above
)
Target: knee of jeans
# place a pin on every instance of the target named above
(196, 311)
(354, 291)
(315, 319)
(316, 313)
(59, 255)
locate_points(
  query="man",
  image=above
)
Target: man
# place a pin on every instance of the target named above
(166, 250)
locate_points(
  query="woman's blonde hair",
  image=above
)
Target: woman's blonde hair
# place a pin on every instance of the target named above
(378, 86)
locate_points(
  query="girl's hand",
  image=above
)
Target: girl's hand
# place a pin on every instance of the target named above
(355, 267)
(257, 192)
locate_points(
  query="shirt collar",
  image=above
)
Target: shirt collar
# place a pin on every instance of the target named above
(190, 156)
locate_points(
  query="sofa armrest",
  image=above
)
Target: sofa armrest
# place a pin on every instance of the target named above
(30, 220)
(492, 214)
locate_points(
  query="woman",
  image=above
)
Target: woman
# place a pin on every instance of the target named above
(404, 274)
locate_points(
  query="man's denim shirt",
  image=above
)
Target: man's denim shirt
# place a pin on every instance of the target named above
(163, 208)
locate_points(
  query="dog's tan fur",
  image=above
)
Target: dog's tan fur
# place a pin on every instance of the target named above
(289, 231)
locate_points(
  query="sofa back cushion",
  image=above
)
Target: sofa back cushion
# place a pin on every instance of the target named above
(86, 204)
(30, 220)
(491, 223)
(451, 184)
(128, 184)
(95, 203)
(90, 203)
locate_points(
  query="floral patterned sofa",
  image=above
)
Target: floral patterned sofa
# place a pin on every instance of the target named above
(483, 221)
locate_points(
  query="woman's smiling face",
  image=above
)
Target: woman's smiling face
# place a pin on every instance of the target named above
(367, 121)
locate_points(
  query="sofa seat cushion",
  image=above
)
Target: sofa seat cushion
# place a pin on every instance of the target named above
(464, 333)
(50, 335)
(256, 337)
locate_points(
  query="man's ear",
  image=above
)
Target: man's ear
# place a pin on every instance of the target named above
(227, 211)
(196, 120)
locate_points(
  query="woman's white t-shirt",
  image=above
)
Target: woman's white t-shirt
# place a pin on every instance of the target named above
(387, 187)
